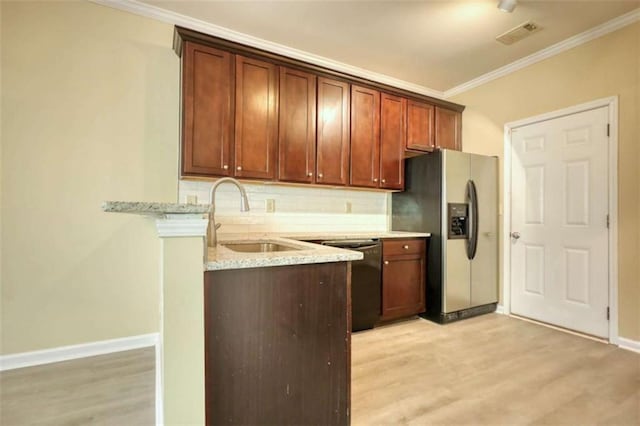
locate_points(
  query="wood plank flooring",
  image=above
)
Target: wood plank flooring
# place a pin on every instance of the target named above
(489, 370)
(116, 389)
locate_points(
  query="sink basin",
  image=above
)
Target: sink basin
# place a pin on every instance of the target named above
(259, 247)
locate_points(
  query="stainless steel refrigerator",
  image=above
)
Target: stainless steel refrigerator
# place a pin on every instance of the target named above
(454, 196)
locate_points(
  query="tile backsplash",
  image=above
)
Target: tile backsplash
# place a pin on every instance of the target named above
(296, 208)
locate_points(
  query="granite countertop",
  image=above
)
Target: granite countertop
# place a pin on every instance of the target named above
(221, 257)
(154, 209)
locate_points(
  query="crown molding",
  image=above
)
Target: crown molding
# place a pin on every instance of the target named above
(555, 49)
(174, 18)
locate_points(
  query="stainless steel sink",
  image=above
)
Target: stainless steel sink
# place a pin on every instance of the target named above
(259, 247)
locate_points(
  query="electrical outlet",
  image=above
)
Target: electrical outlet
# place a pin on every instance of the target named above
(192, 199)
(270, 205)
(347, 207)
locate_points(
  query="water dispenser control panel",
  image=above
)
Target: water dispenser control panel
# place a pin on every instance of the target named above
(457, 223)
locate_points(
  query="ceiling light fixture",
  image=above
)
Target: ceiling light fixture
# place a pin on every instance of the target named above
(507, 5)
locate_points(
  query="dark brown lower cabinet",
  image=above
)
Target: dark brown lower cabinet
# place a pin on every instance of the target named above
(403, 277)
(278, 345)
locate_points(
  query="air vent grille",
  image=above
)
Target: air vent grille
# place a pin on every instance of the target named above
(518, 33)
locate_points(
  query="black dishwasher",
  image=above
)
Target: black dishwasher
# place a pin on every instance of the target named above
(366, 289)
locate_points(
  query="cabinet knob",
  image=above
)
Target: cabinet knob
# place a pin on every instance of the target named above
(309, 174)
(406, 247)
(320, 175)
(375, 179)
(239, 168)
(386, 262)
(383, 180)
(225, 167)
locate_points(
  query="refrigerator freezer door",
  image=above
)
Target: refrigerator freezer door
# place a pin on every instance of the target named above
(484, 267)
(456, 266)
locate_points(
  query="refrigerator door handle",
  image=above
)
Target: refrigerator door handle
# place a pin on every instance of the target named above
(472, 241)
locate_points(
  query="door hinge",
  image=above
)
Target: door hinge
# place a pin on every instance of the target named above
(607, 221)
(607, 313)
(608, 129)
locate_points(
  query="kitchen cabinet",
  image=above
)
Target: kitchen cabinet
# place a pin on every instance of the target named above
(332, 158)
(207, 99)
(365, 137)
(278, 344)
(297, 130)
(448, 134)
(403, 277)
(420, 126)
(254, 114)
(393, 131)
(256, 118)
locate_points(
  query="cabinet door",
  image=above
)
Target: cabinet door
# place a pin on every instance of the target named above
(403, 277)
(365, 137)
(402, 287)
(392, 141)
(332, 157)
(448, 129)
(420, 128)
(297, 130)
(256, 118)
(207, 105)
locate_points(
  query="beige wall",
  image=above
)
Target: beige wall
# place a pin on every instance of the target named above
(608, 66)
(89, 113)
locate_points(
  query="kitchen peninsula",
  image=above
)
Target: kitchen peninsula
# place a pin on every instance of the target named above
(269, 337)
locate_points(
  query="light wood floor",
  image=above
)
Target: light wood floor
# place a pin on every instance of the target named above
(116, 389)
(487, 370)
(490, 370)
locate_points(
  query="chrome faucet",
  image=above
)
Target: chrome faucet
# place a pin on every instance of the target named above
(212, 237)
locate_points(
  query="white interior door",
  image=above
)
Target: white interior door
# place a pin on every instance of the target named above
(559, 208)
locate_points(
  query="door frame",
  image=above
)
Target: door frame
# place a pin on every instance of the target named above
(612, 103)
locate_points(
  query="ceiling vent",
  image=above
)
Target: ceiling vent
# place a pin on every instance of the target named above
(518, 33)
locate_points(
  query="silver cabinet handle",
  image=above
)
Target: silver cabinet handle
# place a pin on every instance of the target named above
(406, 247)
(386, 262)
(309, 174)
(515, 235)
(320, 175)
(239, 168)
(225, 167)
(375, 179)
(383, 180)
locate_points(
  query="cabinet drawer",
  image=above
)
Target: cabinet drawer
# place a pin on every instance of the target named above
(403, 247)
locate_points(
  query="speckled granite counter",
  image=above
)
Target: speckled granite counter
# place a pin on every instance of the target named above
(221, 257)
(154, 209)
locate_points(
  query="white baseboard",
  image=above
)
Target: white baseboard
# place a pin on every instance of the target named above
(499, 309)
(65, 353)
(628, 344)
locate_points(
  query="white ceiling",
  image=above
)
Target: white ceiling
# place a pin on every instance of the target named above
(434, 44)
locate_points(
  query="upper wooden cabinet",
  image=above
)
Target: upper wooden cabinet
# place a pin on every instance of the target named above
(393, 114)
(207, 97)
(297, 131)
(420, 126)
(365, 137)
(332, 158)
(258, 115)
(256, 130)
(448, 129)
